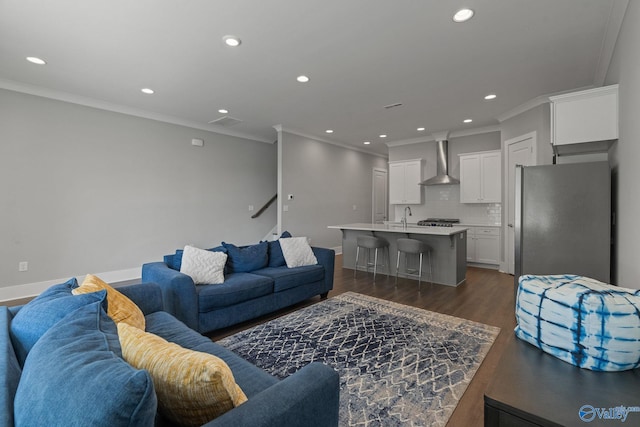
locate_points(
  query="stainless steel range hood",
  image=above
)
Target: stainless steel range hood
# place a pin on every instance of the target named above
(442, 166)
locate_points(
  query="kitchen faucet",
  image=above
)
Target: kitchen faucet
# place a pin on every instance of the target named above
(404, 218)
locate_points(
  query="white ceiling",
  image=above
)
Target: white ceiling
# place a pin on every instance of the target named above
(360, 55)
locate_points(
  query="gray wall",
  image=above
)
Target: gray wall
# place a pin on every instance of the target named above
(84, 190)
(625, 154)
(326, 181)
(537, 120)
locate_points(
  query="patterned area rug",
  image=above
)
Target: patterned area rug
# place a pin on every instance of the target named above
(398, 365)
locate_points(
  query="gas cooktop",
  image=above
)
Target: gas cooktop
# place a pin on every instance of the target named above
(438, 222)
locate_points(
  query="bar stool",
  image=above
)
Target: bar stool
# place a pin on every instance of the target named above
(413, 246)
(368, 243)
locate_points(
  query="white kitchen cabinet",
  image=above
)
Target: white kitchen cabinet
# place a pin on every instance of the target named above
(587, 116)
(483, 245)
(404, 177)
(481, 177)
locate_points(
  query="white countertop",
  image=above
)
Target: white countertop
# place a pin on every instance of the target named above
(477, 224)
(394, 228)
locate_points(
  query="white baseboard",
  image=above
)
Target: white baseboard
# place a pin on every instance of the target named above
(32, 289)
(338, 250)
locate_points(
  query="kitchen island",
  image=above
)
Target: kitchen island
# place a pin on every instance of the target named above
(449, 244)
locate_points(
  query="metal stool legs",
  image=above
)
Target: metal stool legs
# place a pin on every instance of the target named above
(375, 261)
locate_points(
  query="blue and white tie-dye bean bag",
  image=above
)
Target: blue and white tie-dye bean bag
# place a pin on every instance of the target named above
(580, 320)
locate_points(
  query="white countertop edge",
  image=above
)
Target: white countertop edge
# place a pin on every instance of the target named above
(473, 224)
(411, 229)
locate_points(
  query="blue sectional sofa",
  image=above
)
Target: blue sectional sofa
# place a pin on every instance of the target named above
(307, 398)
(244, 295)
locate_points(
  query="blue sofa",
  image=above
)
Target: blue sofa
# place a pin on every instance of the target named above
(309, 397)
(244, 295)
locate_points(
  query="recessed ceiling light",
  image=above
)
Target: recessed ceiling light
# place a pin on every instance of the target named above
(463, 15)
(420, 129)
(329, 131)
(467, 120)
(490, 96)
(231, 41)
(303, 79)
(36, 60)
(223, 111)
(383, 136)
(367, 142)
(147, 91)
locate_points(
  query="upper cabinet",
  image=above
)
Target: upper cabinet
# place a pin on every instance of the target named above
(585, 121)
(481, 177)
(404, 177)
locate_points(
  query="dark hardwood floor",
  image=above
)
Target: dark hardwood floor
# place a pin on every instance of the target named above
(487, 296)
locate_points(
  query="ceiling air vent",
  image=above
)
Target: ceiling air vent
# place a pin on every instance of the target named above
(225, 121)
(390, 106)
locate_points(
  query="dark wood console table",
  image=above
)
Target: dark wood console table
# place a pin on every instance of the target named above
(532, 388)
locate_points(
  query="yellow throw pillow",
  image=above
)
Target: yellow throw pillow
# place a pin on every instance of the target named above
(119, 307)
(192, 387)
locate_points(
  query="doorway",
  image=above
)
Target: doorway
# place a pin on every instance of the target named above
(379, 206)
(520, 151)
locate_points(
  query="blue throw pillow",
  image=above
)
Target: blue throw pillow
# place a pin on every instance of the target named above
(175, 261)
(47, 309)
(276, 258)
(246, 258)
(74, 376)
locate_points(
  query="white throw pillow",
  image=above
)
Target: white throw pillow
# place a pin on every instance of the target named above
(297, 252)
(204, 267)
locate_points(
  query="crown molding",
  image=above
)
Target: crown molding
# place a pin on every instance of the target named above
(281, 129)
(452, 134)
(122, 109)
(614, 24)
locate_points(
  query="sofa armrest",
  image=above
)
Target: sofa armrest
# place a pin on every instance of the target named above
(179, 294)
(147, 296)
(326, 258)
(10, 370)
(308, 398)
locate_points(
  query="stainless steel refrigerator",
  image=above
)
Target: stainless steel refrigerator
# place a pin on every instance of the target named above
(563, 220)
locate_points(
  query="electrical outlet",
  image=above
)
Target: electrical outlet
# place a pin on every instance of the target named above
(355, 207)
(285, 208)
(250, 208)
(23, 266)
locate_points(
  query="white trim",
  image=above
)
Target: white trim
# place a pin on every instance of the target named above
(122, 109)
(281, 128)
(453, 134)
(614, 24)
(337, 249)
(32, 289)
(535, 102)
(506, 264)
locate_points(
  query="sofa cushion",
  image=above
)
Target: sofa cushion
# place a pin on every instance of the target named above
(580, 320)
(276, 258)
(41, 313)
(251, 379)
(286, 278)
(174, 261)
(237, 287)
(10, 370)
(119, 307)
(297, 252)
(204, 267)
(74, 376)
(245, 259)
(192, 387)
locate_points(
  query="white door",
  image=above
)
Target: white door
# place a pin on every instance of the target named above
(520, 151)
(380, 205)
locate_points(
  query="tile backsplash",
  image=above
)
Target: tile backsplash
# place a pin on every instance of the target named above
(443, 201)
